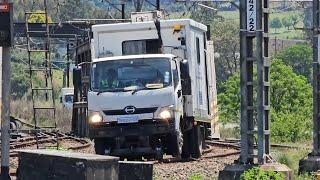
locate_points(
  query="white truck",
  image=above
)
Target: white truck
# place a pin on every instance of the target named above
(66, 97)
(152, 89)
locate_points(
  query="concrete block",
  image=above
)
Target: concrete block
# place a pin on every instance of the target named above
(234, 171)
(60, 165)
(280, 168)
(131, 170)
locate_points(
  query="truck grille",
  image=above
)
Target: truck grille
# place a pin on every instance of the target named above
(137, 111)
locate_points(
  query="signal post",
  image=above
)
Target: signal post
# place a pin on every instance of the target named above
(254, 15)
(6, 40)
(311, 163)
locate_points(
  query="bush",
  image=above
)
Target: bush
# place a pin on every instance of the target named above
(20, 81)
(259, 174)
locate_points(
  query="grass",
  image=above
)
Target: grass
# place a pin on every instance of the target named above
(196, 177)
(291, 158)
(226, 132)
(23, 109)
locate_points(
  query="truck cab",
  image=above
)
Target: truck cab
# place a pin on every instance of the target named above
(66, 97)
(135, 101)
(151, 89)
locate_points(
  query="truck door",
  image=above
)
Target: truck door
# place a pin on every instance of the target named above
(178, 102)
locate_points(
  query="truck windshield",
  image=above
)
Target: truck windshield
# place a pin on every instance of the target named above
(130, 74)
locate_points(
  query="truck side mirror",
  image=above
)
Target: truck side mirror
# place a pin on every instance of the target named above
(185, 78)
(61, 99)
(179, 93)
(77, 77)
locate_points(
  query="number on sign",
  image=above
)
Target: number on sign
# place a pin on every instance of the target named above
(251, 15)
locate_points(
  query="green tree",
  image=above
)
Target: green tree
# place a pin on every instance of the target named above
(299, 57)
(226, 42)
(291, 103)
(19, 80)
(276, 24)
(229, 100)
(294, 20)
(286, 22)
(205, 15)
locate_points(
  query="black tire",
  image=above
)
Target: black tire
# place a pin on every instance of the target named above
(99, 146)
(197, 142)
(176, 144)
(159, 155)
(186, 145)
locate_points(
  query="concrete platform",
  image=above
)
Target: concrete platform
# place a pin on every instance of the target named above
(235, 171)
(60, 165)
(309, 164)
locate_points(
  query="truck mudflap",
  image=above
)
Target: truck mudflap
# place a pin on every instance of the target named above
(130, 130)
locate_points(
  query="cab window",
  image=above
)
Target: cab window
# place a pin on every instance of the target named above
(148, 46)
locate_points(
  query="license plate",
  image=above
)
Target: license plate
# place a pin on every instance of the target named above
(128, 119)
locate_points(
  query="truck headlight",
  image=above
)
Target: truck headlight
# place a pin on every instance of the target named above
(95, 117)
(165, 113)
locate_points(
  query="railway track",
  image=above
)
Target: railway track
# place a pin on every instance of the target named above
(206, 152)
(47, 138)
(43, 138)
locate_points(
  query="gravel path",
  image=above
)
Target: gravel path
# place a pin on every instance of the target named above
(207, 168)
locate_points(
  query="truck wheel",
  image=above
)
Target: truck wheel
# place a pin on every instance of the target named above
(99, 146)
(159, 154)
(177, 143)
(186, 145)
(197, 142)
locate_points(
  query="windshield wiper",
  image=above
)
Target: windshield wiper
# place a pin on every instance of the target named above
(136, 90)
(111, 90)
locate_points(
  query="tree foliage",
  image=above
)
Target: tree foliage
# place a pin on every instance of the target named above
(38, 17)
(299, 57)
(20, 82)
(226, 42)
(205, 15)
(275, 23)
(294, 20)
(291, 103)
(286, 22)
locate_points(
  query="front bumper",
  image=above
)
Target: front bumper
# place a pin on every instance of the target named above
(137, 129)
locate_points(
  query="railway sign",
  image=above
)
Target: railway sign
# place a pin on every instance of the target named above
(251, 15)
(6, 25)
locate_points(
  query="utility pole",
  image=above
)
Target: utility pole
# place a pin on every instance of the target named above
(123, 11)
(311, 163)
(158, 5)
(68, 64)
(5, 89)
(5, 112)
(316, 78)
(255, 112)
